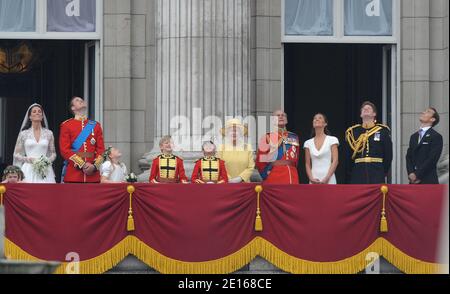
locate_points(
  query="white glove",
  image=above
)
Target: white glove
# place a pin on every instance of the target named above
(235, 180)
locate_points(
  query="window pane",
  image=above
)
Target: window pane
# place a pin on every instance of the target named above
(368, 17)
(17, 15)
(71, 16)
(309, 17)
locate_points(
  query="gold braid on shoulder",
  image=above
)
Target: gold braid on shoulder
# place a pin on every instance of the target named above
(360, 144)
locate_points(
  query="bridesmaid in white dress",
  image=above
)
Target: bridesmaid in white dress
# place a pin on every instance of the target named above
(112, 170)
(35, 140)
(321, 153)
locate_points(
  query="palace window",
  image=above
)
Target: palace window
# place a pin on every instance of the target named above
(50, 19)
(355, 21)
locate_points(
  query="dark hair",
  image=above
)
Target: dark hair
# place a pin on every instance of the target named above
(436, 117)
(370, 104)
(71, 103)
(28, 124)
(326, 131)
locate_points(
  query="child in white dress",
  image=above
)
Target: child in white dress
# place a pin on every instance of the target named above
(112, 170)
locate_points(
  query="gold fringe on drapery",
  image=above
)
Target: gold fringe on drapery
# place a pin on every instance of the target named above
(166, 265)
(237, 260)
(96, 265)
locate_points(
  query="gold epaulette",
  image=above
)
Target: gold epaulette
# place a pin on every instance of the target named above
(349, 137)
(66, 121)
(384, 126)
(352, 127)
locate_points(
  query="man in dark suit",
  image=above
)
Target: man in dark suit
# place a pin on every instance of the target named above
(425, 148)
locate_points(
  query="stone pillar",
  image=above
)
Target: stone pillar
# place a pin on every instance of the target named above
(415, 72)
(424, 73)
(117, 52)
(267, 57)
(439, 94)
(202, 61)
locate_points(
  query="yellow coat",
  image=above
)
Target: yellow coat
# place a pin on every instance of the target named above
(238, 161)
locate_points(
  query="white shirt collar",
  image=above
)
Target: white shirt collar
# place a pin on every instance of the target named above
(425, 129)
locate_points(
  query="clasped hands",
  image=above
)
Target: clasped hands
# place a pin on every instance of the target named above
(89, 169)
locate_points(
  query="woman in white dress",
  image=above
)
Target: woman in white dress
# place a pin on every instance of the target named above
(35, 147)
(321, 153)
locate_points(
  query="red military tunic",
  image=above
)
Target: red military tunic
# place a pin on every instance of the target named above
(168, 169)
(91, 151)
(209, 169)
(277, 158)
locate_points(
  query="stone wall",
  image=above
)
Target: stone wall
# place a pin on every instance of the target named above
(145, 48)
(129, 77)
(267, 57)
(424, 68)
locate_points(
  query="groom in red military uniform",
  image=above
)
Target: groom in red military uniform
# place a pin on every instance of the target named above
(81, 145)
(278, 152)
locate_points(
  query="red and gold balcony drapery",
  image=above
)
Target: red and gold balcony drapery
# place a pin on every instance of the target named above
(211, 228)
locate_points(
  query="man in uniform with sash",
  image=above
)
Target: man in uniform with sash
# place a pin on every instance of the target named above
(278, 152)
(81, 145)
(166, 167)
(369, 149)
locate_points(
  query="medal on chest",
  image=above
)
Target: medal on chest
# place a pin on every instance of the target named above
(93, 141)
(377, 137)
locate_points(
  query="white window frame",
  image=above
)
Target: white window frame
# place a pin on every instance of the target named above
(338, 29)
(98, 64)
(42, 34)
(41, 27)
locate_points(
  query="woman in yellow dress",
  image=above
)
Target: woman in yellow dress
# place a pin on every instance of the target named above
(238, 155)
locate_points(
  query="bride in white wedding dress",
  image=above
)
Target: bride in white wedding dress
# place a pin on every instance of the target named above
(35, 148)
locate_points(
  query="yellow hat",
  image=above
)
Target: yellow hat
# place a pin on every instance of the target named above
(234, 122)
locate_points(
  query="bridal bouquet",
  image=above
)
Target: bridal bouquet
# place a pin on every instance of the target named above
(40, 166)
(131, 178)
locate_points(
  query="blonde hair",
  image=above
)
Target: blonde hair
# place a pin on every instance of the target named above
(164, 140)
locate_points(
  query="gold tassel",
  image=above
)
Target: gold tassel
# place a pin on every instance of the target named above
(258, 224)
(383, 221)
(130, 221)
(258, 220)
(383, 225)
(2, 191)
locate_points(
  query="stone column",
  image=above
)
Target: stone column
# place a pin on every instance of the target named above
(424, 73)
(202, 61)
(439, 94)
(267, 55)
(117, 67)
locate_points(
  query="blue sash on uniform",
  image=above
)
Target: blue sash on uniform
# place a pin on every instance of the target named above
(76, 145)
